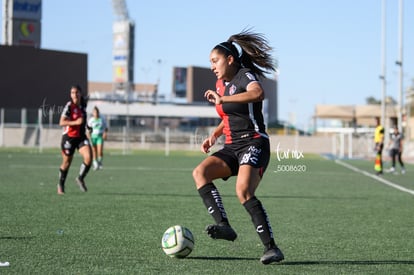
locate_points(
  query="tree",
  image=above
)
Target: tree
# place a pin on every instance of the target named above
(372, 100)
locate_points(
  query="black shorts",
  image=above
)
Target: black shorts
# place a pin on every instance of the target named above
(255, 153)
(394, 152)
(70, 144)
(379, 147)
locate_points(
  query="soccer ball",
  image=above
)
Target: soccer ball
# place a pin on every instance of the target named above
(177, 241)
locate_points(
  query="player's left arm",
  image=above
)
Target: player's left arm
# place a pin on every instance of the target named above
(254, 93)
(105, 129)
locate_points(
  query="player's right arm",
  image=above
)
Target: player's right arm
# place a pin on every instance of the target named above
(211, 140)
(65, 121)
(65, 118)
(89, 128)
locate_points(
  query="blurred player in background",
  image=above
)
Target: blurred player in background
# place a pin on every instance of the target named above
(238, 64)
(395, 146)
(379, 146)
(73, 119)
(97, 135)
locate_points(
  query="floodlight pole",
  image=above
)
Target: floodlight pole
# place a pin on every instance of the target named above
(399, 63)
(409, 95)
(383, 61)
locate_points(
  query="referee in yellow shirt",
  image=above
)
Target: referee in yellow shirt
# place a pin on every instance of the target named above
(379, 146)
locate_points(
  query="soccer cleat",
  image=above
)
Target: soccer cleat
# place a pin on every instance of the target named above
(60, 189)
(391, 170)
(403, 171)
(81, 184)
(224, 232)
(272, 255)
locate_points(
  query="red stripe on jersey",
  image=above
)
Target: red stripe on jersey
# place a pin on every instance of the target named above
(221, 88)
(73, 113)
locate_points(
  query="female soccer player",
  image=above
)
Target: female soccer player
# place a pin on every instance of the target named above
(73, 119)
(97, 126)
(246, 152)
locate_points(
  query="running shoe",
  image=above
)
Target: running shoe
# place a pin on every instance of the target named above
(272, 255)
(81, 184)
(224, 232)
(60, 189)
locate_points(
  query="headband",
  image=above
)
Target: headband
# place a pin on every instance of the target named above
(239, 52)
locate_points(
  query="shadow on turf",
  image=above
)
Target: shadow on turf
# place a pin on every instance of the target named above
(15, 238)
(261, 196)
(215, 258)
(371, 262)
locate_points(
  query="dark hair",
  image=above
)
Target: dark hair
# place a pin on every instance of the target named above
(83, 99)
(255, 51)
(77, 87)
(97, 111)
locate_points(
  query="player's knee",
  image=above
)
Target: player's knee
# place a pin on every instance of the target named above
(87, 160)
(196, 173)
(66, 161)
(243, 195)
(64, 166)
(199, 176)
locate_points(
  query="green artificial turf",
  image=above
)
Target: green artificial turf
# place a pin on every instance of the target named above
(327, 219)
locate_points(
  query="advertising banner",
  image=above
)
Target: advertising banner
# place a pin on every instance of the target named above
(22, 22)
(122, 52)
(24, 9)
(26, 33)
(120, 73)
(180, 82)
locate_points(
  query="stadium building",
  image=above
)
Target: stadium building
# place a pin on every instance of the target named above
(35, 78)
(187, 108)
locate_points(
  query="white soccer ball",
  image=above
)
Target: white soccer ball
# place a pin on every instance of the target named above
(177, 241)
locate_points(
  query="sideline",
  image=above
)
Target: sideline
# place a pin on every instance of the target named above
(375, 177)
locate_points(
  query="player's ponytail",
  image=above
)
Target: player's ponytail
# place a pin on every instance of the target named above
(254, 53)
(84, 101)
(96, 109)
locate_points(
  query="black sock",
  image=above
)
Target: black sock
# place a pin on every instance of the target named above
(212, 200)
(83, 171)
(260, 221)
(62, 176)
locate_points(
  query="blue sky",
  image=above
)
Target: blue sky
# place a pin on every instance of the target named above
(329, 51)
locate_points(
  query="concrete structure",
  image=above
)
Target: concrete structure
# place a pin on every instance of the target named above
(192, 82)
(189, 85)
(36, 78)
(361, 119)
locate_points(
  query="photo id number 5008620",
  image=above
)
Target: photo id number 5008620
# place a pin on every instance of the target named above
(290, 168)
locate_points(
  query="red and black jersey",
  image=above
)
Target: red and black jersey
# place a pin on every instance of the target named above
(241, 120)
(72, 112)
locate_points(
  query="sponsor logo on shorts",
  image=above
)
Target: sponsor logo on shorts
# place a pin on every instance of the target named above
(67, 145)
(252, 156)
